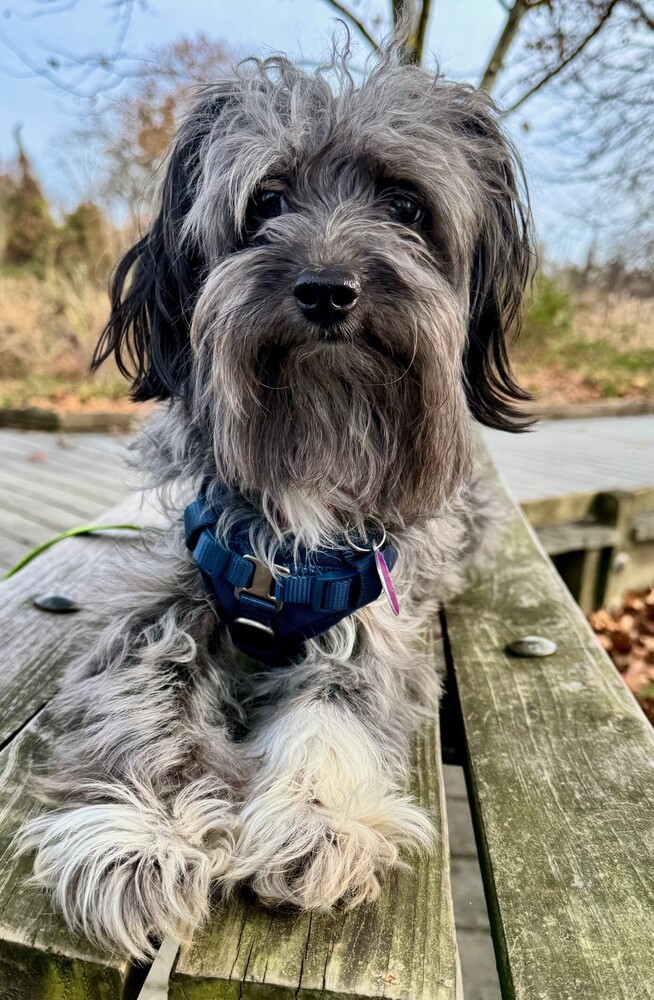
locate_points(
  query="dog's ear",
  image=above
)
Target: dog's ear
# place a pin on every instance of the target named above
(500, 269)
(155, 285)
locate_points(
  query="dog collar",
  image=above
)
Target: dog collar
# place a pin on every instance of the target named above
(270, 616)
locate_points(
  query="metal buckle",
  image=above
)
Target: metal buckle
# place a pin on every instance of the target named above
(253, 635)
(247, 632)
(263, 583)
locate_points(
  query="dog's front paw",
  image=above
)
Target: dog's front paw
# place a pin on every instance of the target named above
(127, 870)
(313, 854)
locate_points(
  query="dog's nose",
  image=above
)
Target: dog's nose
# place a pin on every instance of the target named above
(326, 296)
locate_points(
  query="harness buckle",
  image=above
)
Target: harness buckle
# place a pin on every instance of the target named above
(252, 635)
(263, 583)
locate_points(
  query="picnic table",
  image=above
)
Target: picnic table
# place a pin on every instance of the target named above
(559, 762)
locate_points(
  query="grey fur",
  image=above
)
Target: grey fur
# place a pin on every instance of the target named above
(186, 767)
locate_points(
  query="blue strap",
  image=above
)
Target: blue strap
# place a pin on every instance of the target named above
(331, 590)
(305, 603)
(196, 517)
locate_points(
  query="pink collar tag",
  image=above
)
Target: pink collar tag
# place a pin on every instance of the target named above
(386, 581)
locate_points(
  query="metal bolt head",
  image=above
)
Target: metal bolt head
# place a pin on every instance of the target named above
(55, 603)
(532, 645)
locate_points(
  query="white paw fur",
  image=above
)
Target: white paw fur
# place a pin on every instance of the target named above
(125, 869)
(324, 818)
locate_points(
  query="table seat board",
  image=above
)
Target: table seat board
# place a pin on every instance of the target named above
(38, 957)
(560, 764)
(404, 947)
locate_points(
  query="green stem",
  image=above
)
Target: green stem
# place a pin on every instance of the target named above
(84, 529)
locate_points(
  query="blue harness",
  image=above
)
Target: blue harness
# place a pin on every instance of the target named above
(271, 616)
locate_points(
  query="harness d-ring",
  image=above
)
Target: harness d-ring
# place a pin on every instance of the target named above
(375, 545)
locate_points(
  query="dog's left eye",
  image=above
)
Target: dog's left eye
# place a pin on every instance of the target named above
(404, 209)
(266, 204)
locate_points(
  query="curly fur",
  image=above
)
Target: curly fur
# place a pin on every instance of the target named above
(181, 765)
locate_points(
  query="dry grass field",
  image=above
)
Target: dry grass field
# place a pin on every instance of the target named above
(47, 333)
(586, 347)
(571, 349)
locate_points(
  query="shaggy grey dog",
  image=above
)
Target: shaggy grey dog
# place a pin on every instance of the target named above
(323, 301)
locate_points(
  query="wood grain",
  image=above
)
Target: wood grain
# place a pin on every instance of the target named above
(561, 768)
(36, 645)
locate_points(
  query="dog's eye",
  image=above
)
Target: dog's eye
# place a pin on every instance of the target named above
(267, 204)
(404, 209)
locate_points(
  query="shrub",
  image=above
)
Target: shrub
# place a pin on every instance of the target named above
(548, 310)
(29, 227)
(85, 245)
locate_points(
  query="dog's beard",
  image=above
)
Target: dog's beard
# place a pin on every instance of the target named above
(369, 418)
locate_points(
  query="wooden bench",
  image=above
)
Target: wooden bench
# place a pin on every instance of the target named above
(560, 768)
(601, 543)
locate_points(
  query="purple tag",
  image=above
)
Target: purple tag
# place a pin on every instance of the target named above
(386, 581)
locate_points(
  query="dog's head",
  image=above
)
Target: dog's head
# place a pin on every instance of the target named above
(329, 282)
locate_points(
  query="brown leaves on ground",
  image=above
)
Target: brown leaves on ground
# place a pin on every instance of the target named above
(628, 637)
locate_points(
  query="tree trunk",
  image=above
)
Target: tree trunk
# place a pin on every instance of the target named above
(405, 10)
(504, 42)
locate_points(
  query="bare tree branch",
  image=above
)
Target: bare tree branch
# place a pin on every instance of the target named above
(404, 11)
(638, 8)
(32, 15)
(356, 22)
(498, 56)
(567, 60)
(421, 30)
(70, 74)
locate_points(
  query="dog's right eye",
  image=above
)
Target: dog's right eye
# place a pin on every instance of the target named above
(266, 204)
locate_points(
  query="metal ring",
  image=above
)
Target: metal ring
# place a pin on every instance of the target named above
(375, 545)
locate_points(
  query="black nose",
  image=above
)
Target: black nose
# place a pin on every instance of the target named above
(326, 296)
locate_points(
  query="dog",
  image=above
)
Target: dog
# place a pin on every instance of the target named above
(322, 305)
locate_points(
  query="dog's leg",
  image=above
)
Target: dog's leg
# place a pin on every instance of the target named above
(141, 813)
(327, 810)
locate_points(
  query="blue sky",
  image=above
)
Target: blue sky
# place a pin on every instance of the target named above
(462, 33)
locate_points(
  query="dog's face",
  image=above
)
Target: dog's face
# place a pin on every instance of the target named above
(329, 282)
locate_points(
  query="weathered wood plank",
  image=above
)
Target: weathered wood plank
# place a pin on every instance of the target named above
(58, 496)
(402, 948)
(103, 477)
(574, 536)
(557, 509)
(561, 767)
(36, 645)
(644, 527)
(37, 510)
(35, 419)
(568, 456)
(89, 447)
(24, 476)
(10, 552)
(23, 529)
(38, 958)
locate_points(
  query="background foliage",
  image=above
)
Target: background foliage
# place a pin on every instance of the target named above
(587, 330)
